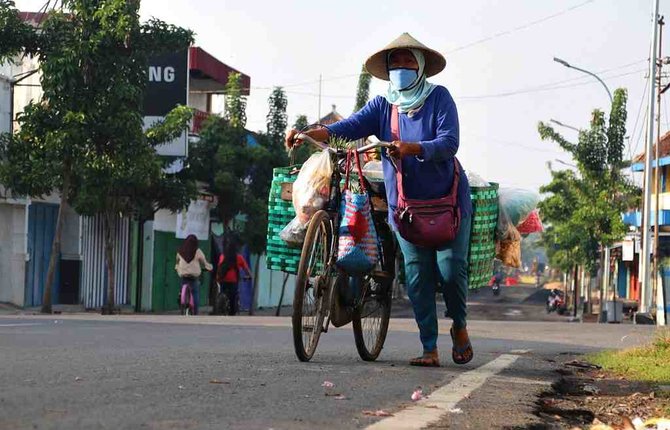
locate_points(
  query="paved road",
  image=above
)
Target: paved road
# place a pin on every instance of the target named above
(156, 372)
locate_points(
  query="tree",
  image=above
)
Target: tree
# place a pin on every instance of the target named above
(277, 119)
(84, 138)
(363, 91)
(583, 208)
(220, 158)
(301, 122)
(302, 153)
(235, 102)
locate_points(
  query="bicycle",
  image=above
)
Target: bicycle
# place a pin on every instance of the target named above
(320, 283)
(223, 301)
(186, 303)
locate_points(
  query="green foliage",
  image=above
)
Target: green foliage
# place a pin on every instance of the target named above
(16, 36)
(277, 119)
(301, 122)
(88, 127)
(583, 208)
(647, 363)
(302, 153)
(239, 174)
(220, 158)
(235, 102)
(363, 91)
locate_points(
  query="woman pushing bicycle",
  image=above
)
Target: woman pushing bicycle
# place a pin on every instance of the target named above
(428, 192)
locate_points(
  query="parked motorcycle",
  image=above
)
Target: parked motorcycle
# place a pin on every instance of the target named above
(496, 288)
(556, 302)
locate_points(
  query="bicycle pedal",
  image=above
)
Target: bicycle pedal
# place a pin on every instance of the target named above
(382, 277)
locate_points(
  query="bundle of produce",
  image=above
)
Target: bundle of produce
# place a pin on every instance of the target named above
(310, 194)
(516, 205)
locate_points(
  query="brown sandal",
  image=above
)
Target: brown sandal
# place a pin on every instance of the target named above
(461, 354)
(428, 359)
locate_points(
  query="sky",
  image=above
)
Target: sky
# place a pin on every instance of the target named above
(500, 67)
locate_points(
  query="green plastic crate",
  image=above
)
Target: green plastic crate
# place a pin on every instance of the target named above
(278, 254)
(482, 236)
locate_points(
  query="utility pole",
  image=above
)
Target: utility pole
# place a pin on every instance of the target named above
(657, 157)
(645, 274)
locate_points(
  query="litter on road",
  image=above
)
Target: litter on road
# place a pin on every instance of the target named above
(417, 395)
(379, 413)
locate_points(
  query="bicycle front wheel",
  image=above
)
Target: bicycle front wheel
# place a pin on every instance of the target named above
(313, 283)
(371, 317)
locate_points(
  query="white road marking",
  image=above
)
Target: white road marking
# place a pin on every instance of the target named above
(19, 324)
(443, 400)
(521, 381)
(520, 351)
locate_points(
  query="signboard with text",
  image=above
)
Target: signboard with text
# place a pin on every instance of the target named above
(167, 87)
(195, 220)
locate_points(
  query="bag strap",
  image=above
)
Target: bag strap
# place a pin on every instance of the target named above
(347, 170)
(395, 123)
(360, 171)
(395, 135)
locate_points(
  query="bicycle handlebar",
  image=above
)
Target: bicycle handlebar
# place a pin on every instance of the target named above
(321, 145)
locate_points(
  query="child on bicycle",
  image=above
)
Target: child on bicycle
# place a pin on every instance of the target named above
(190, 260)
(228, 274)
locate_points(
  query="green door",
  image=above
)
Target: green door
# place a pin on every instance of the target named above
(165, 280)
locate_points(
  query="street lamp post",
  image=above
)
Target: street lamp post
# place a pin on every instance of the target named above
(564, 125)
(605, 268)
(570, 66)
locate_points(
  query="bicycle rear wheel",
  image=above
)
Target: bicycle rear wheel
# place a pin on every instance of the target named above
(313, 283)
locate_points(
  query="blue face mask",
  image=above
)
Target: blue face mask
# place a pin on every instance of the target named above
(402, 78)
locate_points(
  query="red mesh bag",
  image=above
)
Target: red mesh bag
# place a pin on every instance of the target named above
(532, 224)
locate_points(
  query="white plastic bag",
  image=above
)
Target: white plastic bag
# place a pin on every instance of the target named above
(373, 170)
(311, 187)
(475, 180)
(517, 203)
(294, 232)
(514, 206)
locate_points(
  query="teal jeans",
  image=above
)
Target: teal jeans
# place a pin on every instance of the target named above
(425, 269)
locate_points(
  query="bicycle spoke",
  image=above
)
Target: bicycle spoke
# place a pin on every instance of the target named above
(313, 297)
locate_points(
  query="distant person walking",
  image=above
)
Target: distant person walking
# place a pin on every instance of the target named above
(228, 274)
(190, 260)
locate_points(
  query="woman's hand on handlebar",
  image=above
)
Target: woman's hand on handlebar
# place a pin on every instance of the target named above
(319, 134)
(403, 149)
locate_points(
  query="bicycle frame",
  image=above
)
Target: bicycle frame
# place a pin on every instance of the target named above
(333, 210)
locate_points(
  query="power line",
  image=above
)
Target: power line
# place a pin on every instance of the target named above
(460, 48)
(517, 144)
(519, 28)
(548, 87)
(551, 85)
(632, 151)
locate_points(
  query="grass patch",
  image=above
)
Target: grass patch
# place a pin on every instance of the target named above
(650, 363)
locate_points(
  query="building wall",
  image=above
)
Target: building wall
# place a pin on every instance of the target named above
(269, 285)
(93, 291)
(165, 220)
(29, 89)
(12, 253)
(198, 101)
(147, 266)
(71, 235)
(5, 104)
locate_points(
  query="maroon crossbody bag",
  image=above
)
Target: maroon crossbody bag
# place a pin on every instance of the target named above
(428, 223)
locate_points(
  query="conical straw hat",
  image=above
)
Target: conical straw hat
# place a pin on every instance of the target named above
(376, 64)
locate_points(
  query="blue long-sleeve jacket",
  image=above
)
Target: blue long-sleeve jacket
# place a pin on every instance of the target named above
(434, 127)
